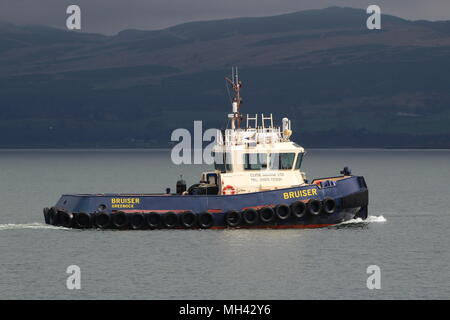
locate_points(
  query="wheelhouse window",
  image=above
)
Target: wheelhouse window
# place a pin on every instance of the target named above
(228, 162)
(281, 161)
(255, 161)
(298, 162)
(222, 161)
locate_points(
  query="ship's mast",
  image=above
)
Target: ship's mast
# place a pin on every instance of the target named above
(236, 84)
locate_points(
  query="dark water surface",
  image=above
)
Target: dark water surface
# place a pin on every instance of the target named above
(407, 235)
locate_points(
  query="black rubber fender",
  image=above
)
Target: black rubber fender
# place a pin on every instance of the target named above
(250, 216)
(266, 214)
(205, 220)
(82, 220)
(355, 200)
(314, 207)
(188, 219)
(137, 221)
(328, 205)
(233, 218)
(102, 220)
(63, 219)
(120, 220)
(362, 213)
(282, 211)
(298, 209)
(153, 220)
(51, 215)
(170, 220)
(46, 217)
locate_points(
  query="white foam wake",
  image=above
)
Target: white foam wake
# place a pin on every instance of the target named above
(33, 225)
(369, 219)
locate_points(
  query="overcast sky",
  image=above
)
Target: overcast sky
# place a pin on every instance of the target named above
(112, 16)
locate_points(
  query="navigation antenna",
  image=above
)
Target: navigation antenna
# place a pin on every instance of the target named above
(236, 85)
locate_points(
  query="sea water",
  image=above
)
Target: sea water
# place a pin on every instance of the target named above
(406, 234)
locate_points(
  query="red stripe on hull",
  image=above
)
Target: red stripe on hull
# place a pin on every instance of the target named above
(157, 211)
(259, 207)
(164, 211)
(291, 226)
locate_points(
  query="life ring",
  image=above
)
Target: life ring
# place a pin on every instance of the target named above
(228, 187)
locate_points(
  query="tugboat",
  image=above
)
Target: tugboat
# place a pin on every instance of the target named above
(257, 182)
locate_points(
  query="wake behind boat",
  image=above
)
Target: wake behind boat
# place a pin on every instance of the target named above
(257, 182)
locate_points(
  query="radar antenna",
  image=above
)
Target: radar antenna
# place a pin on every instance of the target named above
(236, 85)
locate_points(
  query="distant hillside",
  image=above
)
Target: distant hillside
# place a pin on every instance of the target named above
(341, 84)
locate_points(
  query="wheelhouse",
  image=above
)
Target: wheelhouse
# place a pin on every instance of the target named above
(253, 156)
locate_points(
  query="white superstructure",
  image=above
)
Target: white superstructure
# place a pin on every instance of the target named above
(259, 157)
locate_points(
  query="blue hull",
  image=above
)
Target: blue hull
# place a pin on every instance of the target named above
(349, 194)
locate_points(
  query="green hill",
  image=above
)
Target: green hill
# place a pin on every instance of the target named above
(341, 84)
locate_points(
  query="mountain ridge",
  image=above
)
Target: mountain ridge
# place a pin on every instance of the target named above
(340, 83)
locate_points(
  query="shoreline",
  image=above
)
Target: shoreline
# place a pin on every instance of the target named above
(168, 149)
